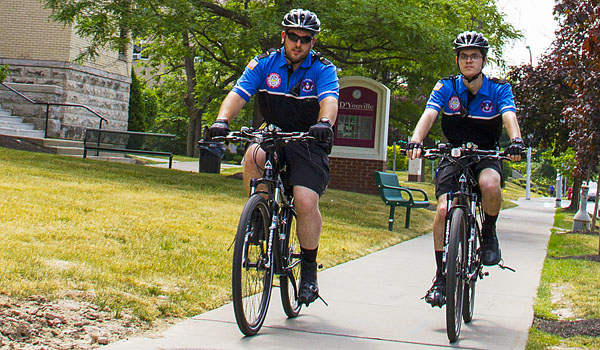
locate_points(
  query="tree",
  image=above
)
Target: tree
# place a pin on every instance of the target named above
(558, 100)
(138, 120)
(403, 44)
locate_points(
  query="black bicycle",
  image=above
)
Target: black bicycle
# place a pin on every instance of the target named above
(462, 262)
(266, 242)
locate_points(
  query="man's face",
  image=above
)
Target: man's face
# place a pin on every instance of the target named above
(297, 50)
(470, 62)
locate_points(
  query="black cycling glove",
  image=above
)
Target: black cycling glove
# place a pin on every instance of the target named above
(412, 145)
(516, 148)
(219, 128)
(321, 131)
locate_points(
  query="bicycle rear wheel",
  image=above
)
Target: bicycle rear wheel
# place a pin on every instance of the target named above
(455, 261)
(251, 280)
(289, 281)
(469, 293)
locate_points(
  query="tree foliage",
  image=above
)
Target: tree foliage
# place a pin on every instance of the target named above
(559, 104)
(405, 44)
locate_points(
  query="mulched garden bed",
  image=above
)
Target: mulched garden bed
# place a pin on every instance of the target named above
(567, 329)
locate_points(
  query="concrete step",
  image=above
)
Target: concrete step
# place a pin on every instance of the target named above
(5, 112)
(22, 132)
(119, 159)
(11, 119)
(16, 126)
(65, 147)
(63, 143)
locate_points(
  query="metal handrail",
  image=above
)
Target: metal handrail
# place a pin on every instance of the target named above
(48, 104)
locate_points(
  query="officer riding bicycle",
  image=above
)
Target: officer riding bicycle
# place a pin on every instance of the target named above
(473, 108)
(297, 90)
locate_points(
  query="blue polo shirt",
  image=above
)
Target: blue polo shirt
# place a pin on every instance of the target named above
(482, 124)
(275, 83)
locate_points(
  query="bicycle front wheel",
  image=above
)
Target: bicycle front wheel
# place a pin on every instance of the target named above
(455, 263)
(469, 291)
(289, 281)
(251, 278)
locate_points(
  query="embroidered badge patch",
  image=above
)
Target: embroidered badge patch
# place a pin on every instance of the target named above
(273, 80)
(454, 103)
(487, 106)
(252, 64)
(438, 86)
(307, 85)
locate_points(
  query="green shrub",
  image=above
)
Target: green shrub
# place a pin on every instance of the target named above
(3, 72)
(401, 160)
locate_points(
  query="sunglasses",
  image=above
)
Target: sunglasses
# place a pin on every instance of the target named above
(295, 37)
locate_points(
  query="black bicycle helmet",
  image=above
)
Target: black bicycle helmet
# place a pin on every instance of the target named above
(471, 40)
(302, 19)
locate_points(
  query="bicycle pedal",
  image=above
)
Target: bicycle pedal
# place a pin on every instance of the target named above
(504, 267)
(323, 300)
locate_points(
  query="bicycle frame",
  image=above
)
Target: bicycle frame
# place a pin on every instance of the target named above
(471, 203)
(277, 197)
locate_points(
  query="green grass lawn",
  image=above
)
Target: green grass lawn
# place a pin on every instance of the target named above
(153, 242)
(567, 284)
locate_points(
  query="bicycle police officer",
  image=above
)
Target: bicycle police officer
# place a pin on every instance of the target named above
(473, 107)
(297, 90)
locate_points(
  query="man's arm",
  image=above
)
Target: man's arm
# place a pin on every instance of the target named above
(425, 123)
(230, 107)
(328, 109)
(509, 118)
(511, 124)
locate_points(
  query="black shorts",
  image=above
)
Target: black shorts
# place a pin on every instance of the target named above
(306, 165)
(446, 177)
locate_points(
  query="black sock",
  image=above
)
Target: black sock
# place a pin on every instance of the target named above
(309, 255)
(489, 222)
(439, 255)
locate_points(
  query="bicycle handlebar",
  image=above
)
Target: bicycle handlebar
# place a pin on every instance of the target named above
(446, 151)
(261, 136)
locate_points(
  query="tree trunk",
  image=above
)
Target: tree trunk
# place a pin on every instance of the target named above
(195, 121)
(575, 198)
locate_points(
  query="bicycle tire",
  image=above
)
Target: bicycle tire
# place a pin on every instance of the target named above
(251, 281)
(289, 281)
(455, 259)
(469, 291)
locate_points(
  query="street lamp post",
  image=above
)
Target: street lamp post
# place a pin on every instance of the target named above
(528, 184)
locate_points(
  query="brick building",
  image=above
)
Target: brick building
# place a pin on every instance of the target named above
(40, 54)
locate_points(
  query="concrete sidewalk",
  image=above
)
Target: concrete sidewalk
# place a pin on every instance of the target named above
(375, 301)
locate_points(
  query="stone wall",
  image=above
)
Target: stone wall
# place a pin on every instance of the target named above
(51, 81)
(355, 175)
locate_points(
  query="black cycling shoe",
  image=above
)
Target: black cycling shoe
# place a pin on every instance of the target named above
(309, 288)
(436, 295)
(490, 250)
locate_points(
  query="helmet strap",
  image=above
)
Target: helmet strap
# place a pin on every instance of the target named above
(473, 78)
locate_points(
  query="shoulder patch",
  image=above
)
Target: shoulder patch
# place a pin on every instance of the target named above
(498, 81)
(319, 56)
(450, 77)
(438, 86)
(266, 54)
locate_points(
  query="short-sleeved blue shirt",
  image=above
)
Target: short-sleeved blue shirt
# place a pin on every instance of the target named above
(274, 81)
(482, 124)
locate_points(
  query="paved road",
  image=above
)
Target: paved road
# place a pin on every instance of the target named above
(375, 301)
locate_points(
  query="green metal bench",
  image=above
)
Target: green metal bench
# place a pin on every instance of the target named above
(395, 195)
